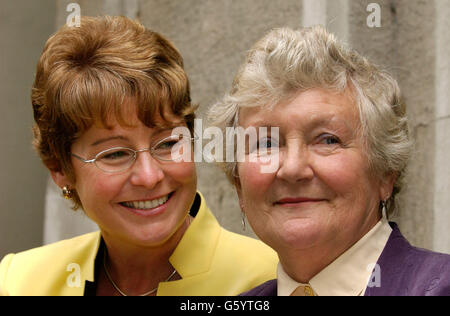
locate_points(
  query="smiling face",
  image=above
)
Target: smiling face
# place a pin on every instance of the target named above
(143, 205)
(323, 195)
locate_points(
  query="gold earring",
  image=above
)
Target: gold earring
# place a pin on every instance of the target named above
(67, 193)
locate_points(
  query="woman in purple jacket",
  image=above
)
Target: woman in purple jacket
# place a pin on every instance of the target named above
(319, 187)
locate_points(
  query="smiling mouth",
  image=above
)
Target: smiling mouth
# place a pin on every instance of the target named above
(147, 205)
(293, 201)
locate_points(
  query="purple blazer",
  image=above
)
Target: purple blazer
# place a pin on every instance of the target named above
(403, 271)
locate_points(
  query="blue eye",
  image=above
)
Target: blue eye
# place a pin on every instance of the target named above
(330, 140)
(263, 146)
(268, 147)
(267, 143)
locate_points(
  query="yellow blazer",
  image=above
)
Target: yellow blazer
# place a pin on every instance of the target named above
(211, 261)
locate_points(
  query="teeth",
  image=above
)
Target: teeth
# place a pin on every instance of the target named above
(145, 205)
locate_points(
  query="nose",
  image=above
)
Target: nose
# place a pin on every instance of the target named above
(295, 164)
(146, 171)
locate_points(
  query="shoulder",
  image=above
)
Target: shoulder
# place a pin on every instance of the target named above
(254, 251)
(60, 249)
(429, 272)
(29, 269)
(245, 258)
(408, 270)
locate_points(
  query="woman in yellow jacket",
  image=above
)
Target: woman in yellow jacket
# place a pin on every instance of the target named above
(106, 99)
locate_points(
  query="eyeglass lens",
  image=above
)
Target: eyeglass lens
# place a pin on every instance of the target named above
(119, 159)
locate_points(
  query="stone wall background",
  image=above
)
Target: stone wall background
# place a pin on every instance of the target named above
(413, 43)
(22, 177)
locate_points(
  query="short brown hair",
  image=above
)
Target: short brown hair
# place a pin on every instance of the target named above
(84, 75)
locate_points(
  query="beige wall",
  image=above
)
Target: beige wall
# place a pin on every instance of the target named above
(441, 122)
(24, 26)
(413, 42)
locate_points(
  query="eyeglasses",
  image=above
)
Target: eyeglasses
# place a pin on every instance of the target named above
(117, 159)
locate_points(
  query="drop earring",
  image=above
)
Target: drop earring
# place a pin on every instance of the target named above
(244, 227)
(384, 209)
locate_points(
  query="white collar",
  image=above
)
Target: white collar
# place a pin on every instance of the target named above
(350, 273)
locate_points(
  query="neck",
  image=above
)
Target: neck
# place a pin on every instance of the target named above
(136, 269)
(303, 265)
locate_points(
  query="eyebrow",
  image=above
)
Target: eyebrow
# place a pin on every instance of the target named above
(102, 140)
(315, 122)
(329, 120)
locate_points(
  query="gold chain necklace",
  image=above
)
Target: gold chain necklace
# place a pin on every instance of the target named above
(120, 291)
(146, 293)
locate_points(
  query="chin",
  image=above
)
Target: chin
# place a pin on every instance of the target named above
(300, 234)
(150, 239)
(150, 235)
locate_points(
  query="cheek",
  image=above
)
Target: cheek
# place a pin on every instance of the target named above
(98, 189)
(346, 175)
(254, 184)
(183, 173)
(95, 187)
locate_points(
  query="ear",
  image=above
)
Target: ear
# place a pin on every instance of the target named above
(60, 178)
(387, 185)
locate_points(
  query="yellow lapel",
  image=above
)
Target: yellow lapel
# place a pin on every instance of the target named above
(194, 254)
(80, 267)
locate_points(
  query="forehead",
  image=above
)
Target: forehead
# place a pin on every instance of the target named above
(306, 109)
(131, 115)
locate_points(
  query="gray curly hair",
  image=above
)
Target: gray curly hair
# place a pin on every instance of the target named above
(287, 61)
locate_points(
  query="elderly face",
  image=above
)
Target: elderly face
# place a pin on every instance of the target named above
(323, 194)
(115, 200)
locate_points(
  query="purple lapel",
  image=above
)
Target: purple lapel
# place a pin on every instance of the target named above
(404, 270)
(266, 289)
